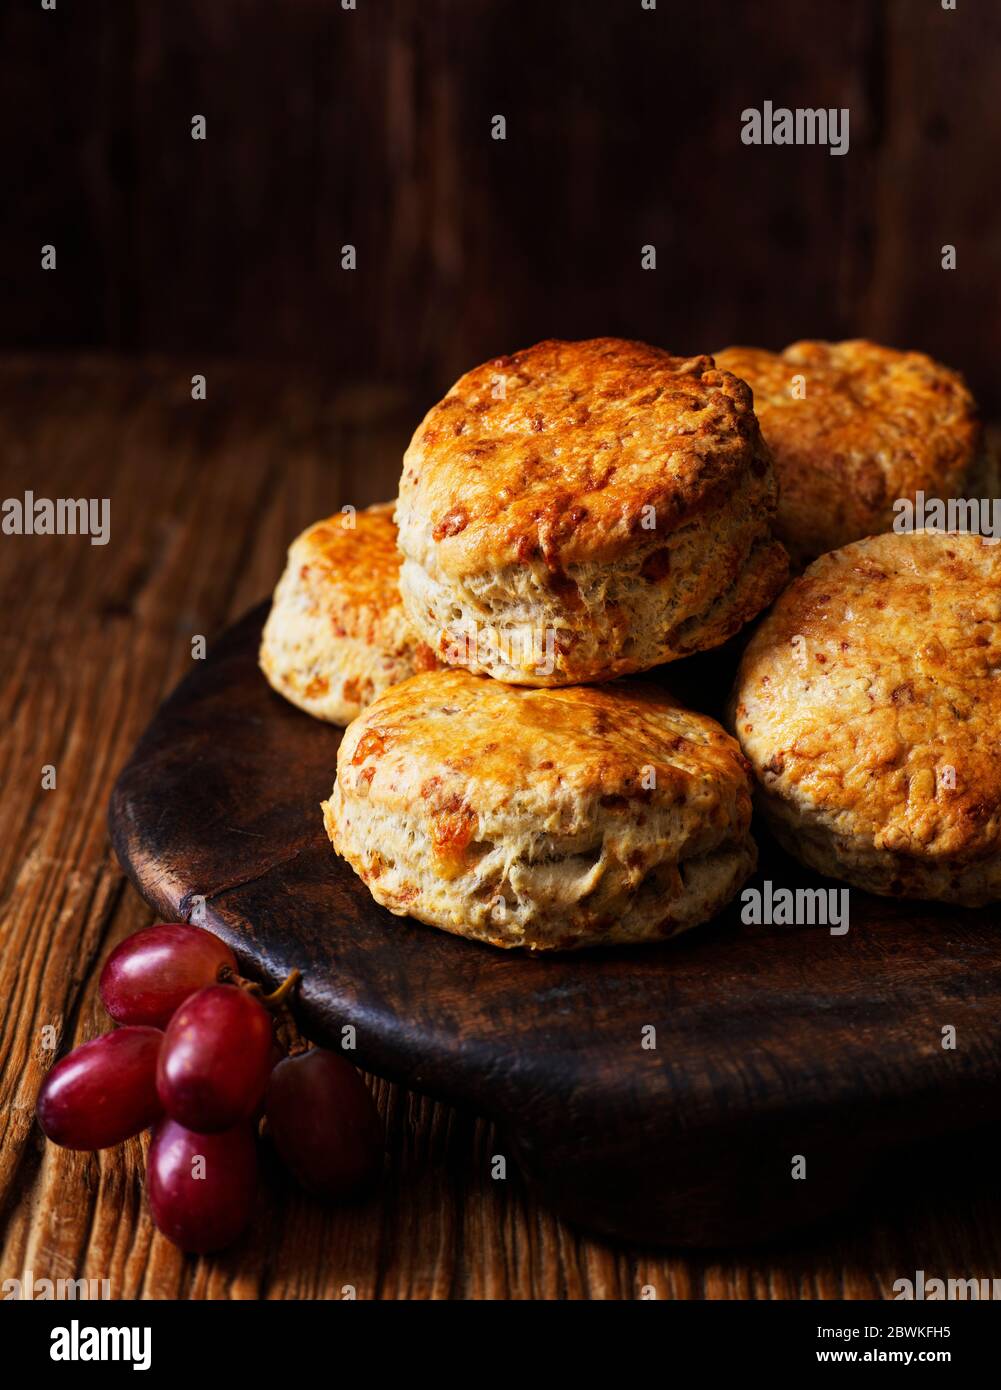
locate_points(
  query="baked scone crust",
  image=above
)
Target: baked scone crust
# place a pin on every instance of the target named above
(548, 819)
(874, 425)
(337, 634)
(869, 705)
(603, 491)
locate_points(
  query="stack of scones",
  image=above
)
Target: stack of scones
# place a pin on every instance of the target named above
(580, 512)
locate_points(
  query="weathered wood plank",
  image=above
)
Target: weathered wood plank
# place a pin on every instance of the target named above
(372, 127)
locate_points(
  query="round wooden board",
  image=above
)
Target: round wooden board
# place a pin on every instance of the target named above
(769, 1042)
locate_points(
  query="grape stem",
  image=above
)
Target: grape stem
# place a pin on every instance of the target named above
(277, 998)
(288, 1035)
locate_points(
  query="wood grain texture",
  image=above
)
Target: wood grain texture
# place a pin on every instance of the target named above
(372, 127)
(204, 498)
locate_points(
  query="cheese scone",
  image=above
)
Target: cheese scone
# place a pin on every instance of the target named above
(869, 705)
(543, 818)
(853, 427)
(581, 510)
(337, 635)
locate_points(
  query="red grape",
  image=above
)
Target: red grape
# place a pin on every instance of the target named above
(324, 1123)
(278, 1054)
(151, 973)
(104, 1091)
(201, 1186)
(215, 1059)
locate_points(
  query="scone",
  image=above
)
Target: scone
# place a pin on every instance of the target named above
(541, 818)
(869, 704)
(853, 427)
(337, 635)
(581, 510)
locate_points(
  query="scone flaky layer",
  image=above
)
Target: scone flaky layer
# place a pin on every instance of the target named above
(852, 427)
(541, 818)
(337, 634)
(869, 705)
(601, 501)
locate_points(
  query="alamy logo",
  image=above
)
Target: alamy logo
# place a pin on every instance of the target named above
(923, 1288)
(64, 516)
(981, 516)
(29, 1288)
(76, 1343)
(521, 649)
(795, 907)
(803, 125)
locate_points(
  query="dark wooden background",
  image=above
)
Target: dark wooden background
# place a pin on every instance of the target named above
(372, 127)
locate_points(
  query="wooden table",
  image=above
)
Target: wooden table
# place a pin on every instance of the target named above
(204, 496)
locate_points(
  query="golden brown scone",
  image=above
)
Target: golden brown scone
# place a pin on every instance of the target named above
(542, 818)
(869, 704)
(337, 635)
(582, 510)
(873, 425)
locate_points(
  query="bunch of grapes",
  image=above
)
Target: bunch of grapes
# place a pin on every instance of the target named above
(200, 1055)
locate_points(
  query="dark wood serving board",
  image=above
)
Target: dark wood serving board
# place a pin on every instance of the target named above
(771, 1042)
